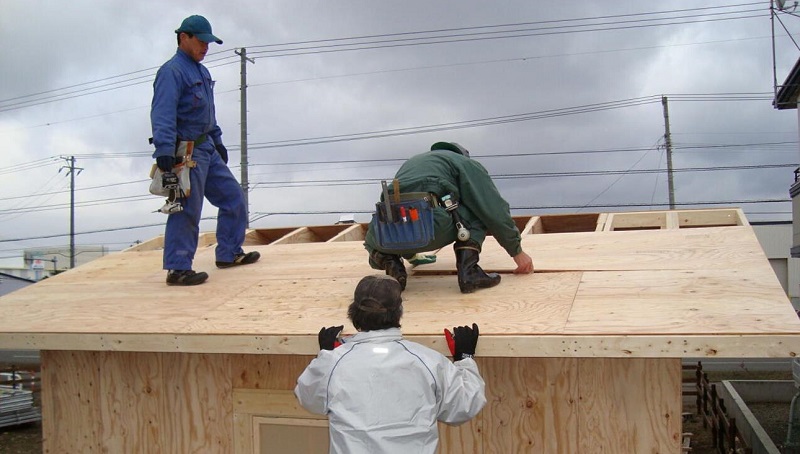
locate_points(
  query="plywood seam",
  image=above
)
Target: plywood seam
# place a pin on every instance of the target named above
(572, 305)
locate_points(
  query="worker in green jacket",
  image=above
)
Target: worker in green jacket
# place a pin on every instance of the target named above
(448, 170)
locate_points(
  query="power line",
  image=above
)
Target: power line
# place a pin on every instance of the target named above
(551, 113)
(689, 147)
(356, 182)
(543, 29)
(261, 215)
(85, 91)
(489, 121)
(122, 80)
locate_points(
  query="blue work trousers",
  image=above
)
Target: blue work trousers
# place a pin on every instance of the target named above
(211, 179)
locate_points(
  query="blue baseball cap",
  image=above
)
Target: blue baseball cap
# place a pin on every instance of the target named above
(199, 27)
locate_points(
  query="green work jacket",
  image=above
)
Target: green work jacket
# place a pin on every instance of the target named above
(481, 207)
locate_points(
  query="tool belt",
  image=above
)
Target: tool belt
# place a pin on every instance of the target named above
(184, 162)
(404, 221)
(429, 197)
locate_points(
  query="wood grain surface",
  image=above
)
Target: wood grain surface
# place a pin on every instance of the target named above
(643, 284)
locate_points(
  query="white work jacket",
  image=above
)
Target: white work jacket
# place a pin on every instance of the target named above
(383, 394)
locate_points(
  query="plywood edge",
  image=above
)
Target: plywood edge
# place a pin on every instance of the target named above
(602, 221)
(149, 245)
(356, 232)
(742, 219)
(607, 224)
(672, 220)
(558, 346)
(718, 217)
(533, 224)
(300, 235)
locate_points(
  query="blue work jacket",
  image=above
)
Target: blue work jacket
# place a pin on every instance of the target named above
(183, 104)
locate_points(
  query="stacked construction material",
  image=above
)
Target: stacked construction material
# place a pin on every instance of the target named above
(16, 407)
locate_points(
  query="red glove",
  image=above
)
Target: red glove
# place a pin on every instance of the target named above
(451, 344)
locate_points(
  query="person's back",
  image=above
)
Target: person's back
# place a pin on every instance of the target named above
(383, 394)
(432, 171)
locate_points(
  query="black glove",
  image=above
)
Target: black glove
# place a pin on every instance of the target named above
(327, 337)
(165, 163)
(223, 152)
(462, 341)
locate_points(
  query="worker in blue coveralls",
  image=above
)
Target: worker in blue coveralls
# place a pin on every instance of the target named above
(183, 110)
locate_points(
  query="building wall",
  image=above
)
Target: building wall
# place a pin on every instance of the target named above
(59, 257)
(27, 273)
(776, 240)
(9, 284)
(124, 402)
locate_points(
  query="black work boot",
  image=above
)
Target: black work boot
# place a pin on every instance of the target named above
(471, 276)
(241, 259)
(392, 264)
(186, 277)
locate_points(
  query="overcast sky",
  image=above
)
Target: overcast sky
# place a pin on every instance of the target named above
(541, 92)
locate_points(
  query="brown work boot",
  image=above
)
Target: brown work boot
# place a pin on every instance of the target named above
(392, 264)
(470, 275)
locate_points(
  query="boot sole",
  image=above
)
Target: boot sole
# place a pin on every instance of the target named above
(188, 282)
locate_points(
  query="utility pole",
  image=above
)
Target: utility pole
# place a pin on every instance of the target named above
(71, 169)
(668, 144)
(243, 106)
(774, 69)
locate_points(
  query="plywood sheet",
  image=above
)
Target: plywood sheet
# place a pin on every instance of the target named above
(132, 386)
(629, 406)
(198, 409)
(71, 398)
(302, 306)
(669, 292)
(533, 405)
(679, 302)
(712, 247)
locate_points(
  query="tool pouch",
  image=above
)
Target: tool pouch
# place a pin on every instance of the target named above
(411, 226)
(183, 155)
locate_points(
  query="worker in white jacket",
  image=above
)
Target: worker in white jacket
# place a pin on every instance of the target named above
(383, 394)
